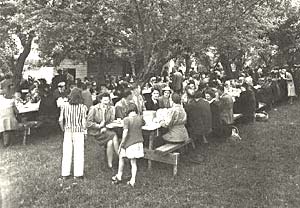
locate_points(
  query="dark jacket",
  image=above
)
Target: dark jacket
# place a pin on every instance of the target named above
(150, 105)
(199, 119)
(247, 102)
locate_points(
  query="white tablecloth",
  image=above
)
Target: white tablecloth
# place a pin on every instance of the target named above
(28, 107)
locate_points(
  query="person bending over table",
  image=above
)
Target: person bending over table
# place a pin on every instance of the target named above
(175, 122)
(98, 117)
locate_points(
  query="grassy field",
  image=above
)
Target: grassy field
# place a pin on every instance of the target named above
(263, 170)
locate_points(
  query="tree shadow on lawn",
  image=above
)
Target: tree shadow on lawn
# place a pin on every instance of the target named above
(260, 171)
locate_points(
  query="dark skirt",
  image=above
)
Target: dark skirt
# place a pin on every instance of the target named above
(103, 138)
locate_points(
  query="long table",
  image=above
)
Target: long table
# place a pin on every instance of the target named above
(28, 110)
(28, 107)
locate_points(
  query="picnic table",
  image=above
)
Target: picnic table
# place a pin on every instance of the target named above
(25, 111)
(164, 153)
(28, 107)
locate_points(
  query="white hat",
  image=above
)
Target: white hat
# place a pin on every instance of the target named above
(167, 88)
(61, 84)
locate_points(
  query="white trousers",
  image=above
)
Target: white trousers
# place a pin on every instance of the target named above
(73, 141)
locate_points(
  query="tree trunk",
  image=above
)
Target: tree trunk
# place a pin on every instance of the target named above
(187, 64)
(26, 43)
(226, 65)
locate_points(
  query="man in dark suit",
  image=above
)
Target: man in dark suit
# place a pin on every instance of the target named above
(199, 119)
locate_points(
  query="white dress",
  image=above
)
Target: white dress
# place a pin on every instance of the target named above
(290, 85)
(133, 151)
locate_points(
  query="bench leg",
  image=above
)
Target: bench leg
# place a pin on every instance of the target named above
(193, 143)
(151, 138)
(175, 167)
(24, 137)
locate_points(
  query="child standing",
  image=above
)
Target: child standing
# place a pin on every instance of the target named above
(131, 145)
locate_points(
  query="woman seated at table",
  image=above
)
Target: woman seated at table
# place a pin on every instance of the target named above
(164, 101)
(247, 103)
(175, 122)
(98, 117)
(188, 96)
(152, 104)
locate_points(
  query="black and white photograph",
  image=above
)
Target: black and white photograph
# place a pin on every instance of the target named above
(149, 103)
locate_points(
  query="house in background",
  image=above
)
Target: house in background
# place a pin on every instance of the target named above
(97, 67)
(76, 69)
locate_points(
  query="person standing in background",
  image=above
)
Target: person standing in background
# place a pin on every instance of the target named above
(138, 98)
(8, 120)
(290, 86)
(87, 96)
(177, 80)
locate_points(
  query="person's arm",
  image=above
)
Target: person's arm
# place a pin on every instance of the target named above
(125, 134)
(169, 118)
(112, 115)
(118, 112)
(61, 119)
(90, 120)
(84, 116)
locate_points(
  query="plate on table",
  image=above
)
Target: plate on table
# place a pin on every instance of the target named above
(115, 124)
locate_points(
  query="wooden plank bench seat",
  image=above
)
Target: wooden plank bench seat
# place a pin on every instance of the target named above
(166, 154)
(237, 116)
(261, 106)
(169, 147)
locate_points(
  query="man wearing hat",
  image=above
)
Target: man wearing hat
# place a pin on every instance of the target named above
(164, 101)
(58, 79)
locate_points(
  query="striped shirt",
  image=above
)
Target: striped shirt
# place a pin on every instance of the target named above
(73, 117)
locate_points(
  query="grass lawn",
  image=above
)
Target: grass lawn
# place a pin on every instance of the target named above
(263, 170)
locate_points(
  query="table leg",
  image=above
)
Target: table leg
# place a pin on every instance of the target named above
(24, 136)
(151, 139)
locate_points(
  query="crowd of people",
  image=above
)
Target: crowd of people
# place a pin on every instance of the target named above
(199, 106)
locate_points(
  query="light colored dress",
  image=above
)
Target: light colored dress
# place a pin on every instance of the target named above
(8, 121)
(133, 144)
(290, 85)
(175, 122)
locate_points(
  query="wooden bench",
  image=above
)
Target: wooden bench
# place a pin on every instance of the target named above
(261, 106)
(166, 154)
(237, 116)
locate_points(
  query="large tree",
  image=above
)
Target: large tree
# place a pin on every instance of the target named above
(145, 31)
(20, 22)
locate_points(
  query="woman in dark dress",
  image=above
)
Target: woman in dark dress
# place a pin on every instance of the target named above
(210, 96)
(247, 103)
(152, 104)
